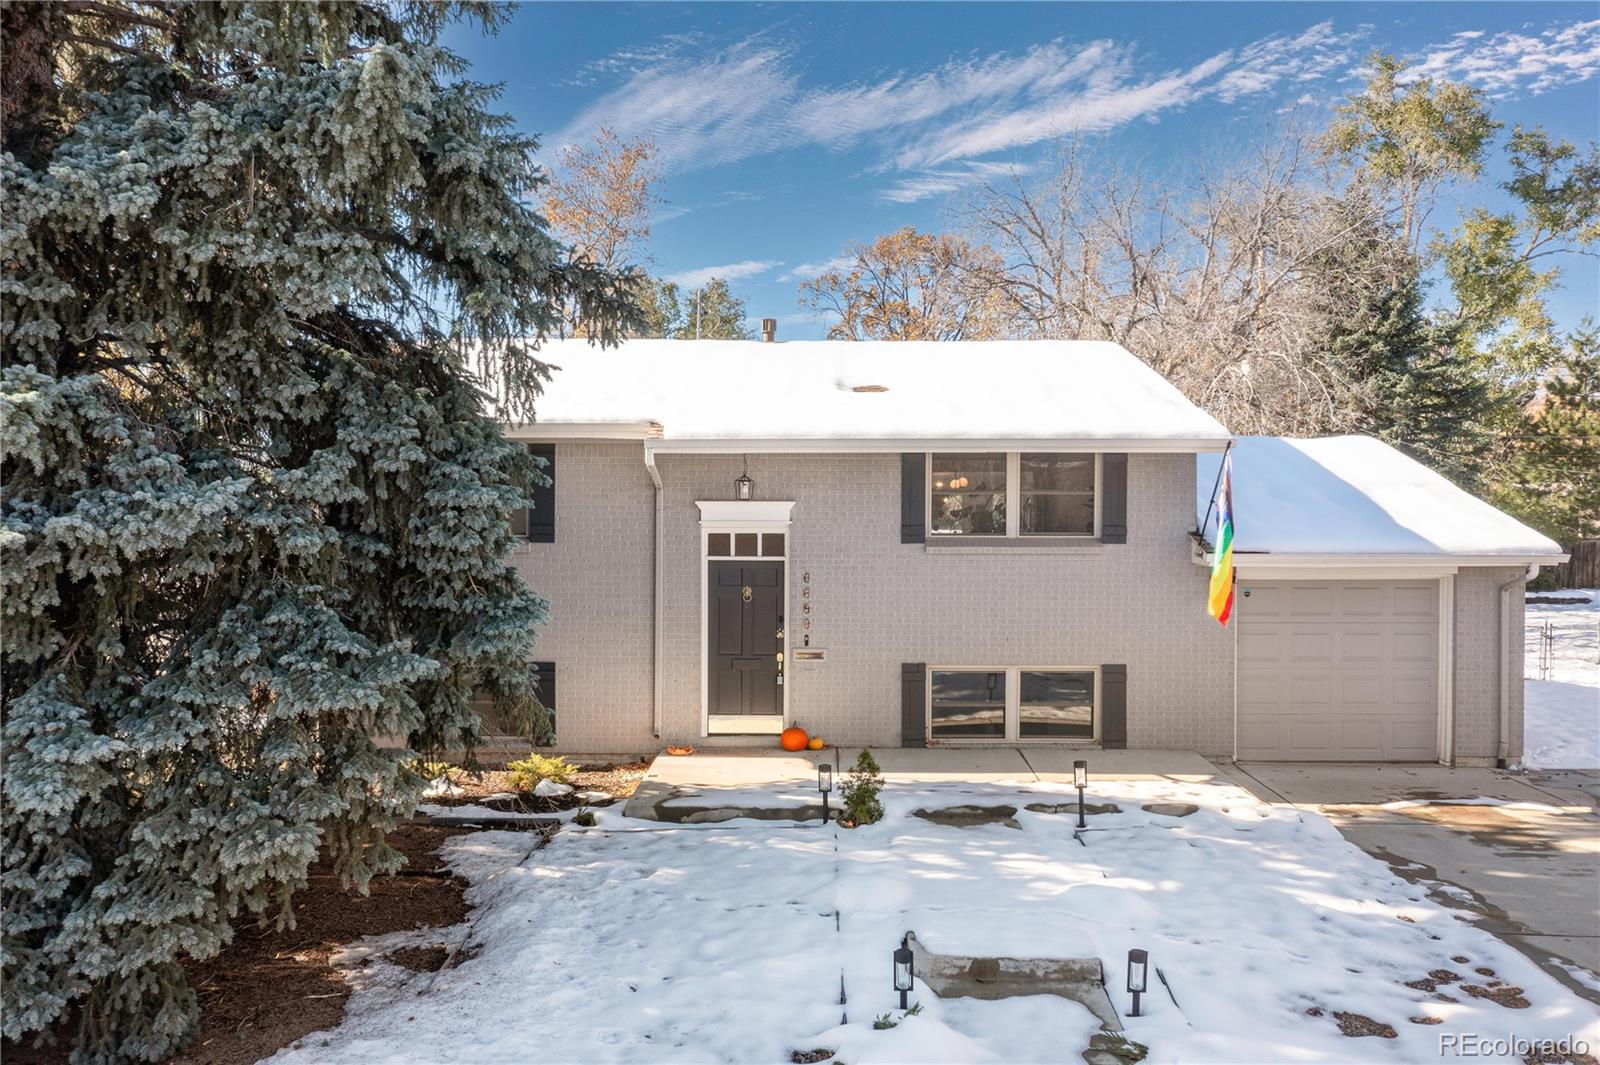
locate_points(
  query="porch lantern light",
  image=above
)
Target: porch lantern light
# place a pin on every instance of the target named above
(1080, 780)
(744, 489)
(903, 974)
(824, 785)
(1138, 970)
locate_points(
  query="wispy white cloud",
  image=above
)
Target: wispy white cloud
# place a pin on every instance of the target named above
(1506, 63)
(929, 183)
(699, 111)
(806, 271)
(706, 105)
(725, 272)
(746, 99)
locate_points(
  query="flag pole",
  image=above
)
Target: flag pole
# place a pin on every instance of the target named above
(1211, 505)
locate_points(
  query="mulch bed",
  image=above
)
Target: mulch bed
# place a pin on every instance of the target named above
(269, 988)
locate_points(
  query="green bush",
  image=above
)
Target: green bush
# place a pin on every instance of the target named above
(527, 773)
(434, 770)
(860, 792)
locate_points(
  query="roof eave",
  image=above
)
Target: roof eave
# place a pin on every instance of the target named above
(803, 445)
(1289, 561)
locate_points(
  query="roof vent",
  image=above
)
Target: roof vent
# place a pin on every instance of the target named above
(769, 330)
(869, 388)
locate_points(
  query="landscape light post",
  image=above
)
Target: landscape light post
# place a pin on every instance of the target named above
(824, 785)
(903, 974)
(1080, 780)
(1138, 967)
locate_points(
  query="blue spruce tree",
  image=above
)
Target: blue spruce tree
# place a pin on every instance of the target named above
(269, 277)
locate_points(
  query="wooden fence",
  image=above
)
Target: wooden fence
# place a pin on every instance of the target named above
(1582, 570)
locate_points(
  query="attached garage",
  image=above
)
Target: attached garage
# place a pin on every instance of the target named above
(1377, 608)
(1338, 670)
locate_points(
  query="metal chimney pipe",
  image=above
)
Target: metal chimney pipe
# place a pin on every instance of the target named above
(769, 330)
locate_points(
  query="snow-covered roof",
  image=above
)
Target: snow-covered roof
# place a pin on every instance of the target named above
(1357, 496)
(888, 392)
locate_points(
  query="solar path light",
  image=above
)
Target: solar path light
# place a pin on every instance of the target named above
(903, 974)
(1080, 780)
(1138, 970)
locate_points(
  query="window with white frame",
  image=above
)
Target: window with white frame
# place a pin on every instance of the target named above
(1016, 703)
(1012, 493)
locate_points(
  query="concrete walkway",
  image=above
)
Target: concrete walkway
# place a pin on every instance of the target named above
(719, 785)
(1528, 867)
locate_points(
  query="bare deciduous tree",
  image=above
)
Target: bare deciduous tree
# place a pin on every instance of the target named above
(907, 285)
(1223, 288)
(601, 202)
(602, 197)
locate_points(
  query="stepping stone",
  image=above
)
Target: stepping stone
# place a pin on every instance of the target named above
(1171, 809)
(970, 816)
(1072, 808)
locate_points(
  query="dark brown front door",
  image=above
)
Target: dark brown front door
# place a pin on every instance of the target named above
(743, 623)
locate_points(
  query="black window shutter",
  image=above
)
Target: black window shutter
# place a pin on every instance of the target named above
(913, 497)
(1114, 498)
(542, 520)
(914, 704)
(547, 699)
(519, 523)
(1114, 707)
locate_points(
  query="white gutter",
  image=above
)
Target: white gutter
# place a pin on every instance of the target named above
(859, 445)
(1258, 561)
(659, 595)
(1503, 746)
(582, 431)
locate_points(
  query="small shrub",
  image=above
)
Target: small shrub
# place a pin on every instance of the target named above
(526, 773)
(885, 1021)
(434, 770)
(860, 792)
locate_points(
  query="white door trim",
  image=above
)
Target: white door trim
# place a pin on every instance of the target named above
(736, 516)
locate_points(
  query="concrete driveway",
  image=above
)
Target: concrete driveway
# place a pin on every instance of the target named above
(1526, 867)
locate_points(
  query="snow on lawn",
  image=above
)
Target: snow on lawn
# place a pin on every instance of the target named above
(1562, 712)
(637, 942)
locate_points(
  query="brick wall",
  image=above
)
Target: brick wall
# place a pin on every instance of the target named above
(598, 579)
(1477, 663)
(878, 603)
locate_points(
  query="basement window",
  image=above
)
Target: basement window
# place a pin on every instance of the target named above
(1012, 703)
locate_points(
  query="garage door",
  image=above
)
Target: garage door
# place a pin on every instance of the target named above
(1338, 670)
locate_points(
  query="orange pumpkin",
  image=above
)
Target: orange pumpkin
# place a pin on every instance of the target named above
(793, 739)
(817, 743)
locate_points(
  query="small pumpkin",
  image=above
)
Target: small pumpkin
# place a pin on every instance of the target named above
(817, 743)
(793, 738)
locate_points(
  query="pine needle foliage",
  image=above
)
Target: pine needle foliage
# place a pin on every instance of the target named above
(270, 273)
(860, 792)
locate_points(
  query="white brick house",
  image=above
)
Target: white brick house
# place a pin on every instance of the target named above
(987, 543)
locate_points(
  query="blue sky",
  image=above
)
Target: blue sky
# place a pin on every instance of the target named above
(787, 131)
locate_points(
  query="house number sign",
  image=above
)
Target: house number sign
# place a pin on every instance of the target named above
(805, 606)
(806, 656)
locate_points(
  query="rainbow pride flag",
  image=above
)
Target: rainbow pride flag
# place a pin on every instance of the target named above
(1221, 598)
